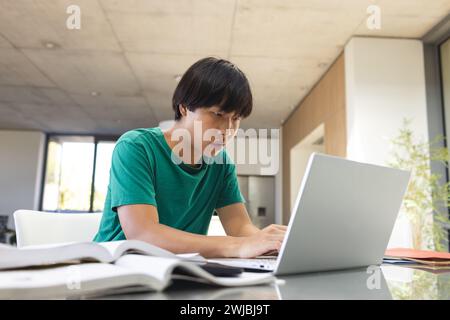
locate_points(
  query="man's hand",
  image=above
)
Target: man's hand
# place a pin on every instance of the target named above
(266, 240)
(141, 222)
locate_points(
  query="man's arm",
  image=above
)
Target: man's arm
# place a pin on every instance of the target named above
(236, 221)
(141, 222)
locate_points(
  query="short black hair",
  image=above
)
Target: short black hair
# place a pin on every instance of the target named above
(213, 82)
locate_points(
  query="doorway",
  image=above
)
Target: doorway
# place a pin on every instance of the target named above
(299, 156)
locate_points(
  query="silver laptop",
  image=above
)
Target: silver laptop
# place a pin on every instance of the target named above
(342, 218)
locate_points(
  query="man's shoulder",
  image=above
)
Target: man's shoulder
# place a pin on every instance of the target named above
(141, 136)
(137, 146)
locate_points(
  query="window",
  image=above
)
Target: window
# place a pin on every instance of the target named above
(444, 54)
(445, 74)
(76, 173)
(101, 179)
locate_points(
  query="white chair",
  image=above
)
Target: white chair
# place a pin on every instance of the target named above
(215, 227)
(37, 227)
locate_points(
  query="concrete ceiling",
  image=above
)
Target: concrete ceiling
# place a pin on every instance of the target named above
(118, 71)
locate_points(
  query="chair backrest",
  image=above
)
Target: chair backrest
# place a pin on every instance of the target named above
(215, 227)
(37, 227)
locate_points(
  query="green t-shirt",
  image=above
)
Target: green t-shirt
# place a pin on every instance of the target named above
(142, 172)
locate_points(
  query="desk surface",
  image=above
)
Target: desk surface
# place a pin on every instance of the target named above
(385, 282)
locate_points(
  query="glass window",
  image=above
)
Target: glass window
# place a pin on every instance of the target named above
(102, 166)
(69, 174)
(445, 69)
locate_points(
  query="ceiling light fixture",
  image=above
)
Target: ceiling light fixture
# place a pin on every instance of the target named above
(50, 45)
(95, 93)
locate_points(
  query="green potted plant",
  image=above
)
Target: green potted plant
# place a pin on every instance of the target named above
(426, 203)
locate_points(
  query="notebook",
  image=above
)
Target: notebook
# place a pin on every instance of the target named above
(409, 257)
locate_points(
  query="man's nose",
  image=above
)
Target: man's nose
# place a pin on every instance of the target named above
(226, 125)
(229, 127)
(230, 123)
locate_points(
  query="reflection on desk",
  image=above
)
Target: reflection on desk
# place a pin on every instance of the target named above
(385, 282)
(412, 284)
(181, 290)
(344, 284)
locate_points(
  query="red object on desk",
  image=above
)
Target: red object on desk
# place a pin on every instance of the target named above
(417, 254)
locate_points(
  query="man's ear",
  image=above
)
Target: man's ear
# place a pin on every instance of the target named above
(182, 109)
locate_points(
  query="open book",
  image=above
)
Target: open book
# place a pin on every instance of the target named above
(107, 252)
(128, 273)
(89, 268)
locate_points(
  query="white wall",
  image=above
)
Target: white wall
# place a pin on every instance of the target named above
(255, 155)
(21, 159)
(249, 148)
(279, 184)
(385, 83)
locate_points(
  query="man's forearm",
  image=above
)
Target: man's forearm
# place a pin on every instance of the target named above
(247, 230)
(178, 241)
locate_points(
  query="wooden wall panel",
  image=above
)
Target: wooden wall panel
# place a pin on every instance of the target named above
(324, 104)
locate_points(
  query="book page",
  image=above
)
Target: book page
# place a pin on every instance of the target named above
(75, 280)
(119, 248)
(163, 269)
(111, 246)
(51, 254)
(158, 268)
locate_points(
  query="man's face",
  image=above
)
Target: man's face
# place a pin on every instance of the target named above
(217, 128)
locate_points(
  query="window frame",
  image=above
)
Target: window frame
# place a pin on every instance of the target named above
(432, 42)
(97, 138)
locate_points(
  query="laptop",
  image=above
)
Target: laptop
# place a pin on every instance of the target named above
(342, 218)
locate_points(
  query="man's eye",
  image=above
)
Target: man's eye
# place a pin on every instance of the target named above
(218, 114)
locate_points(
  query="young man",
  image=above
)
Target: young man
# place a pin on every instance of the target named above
(167, 198)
